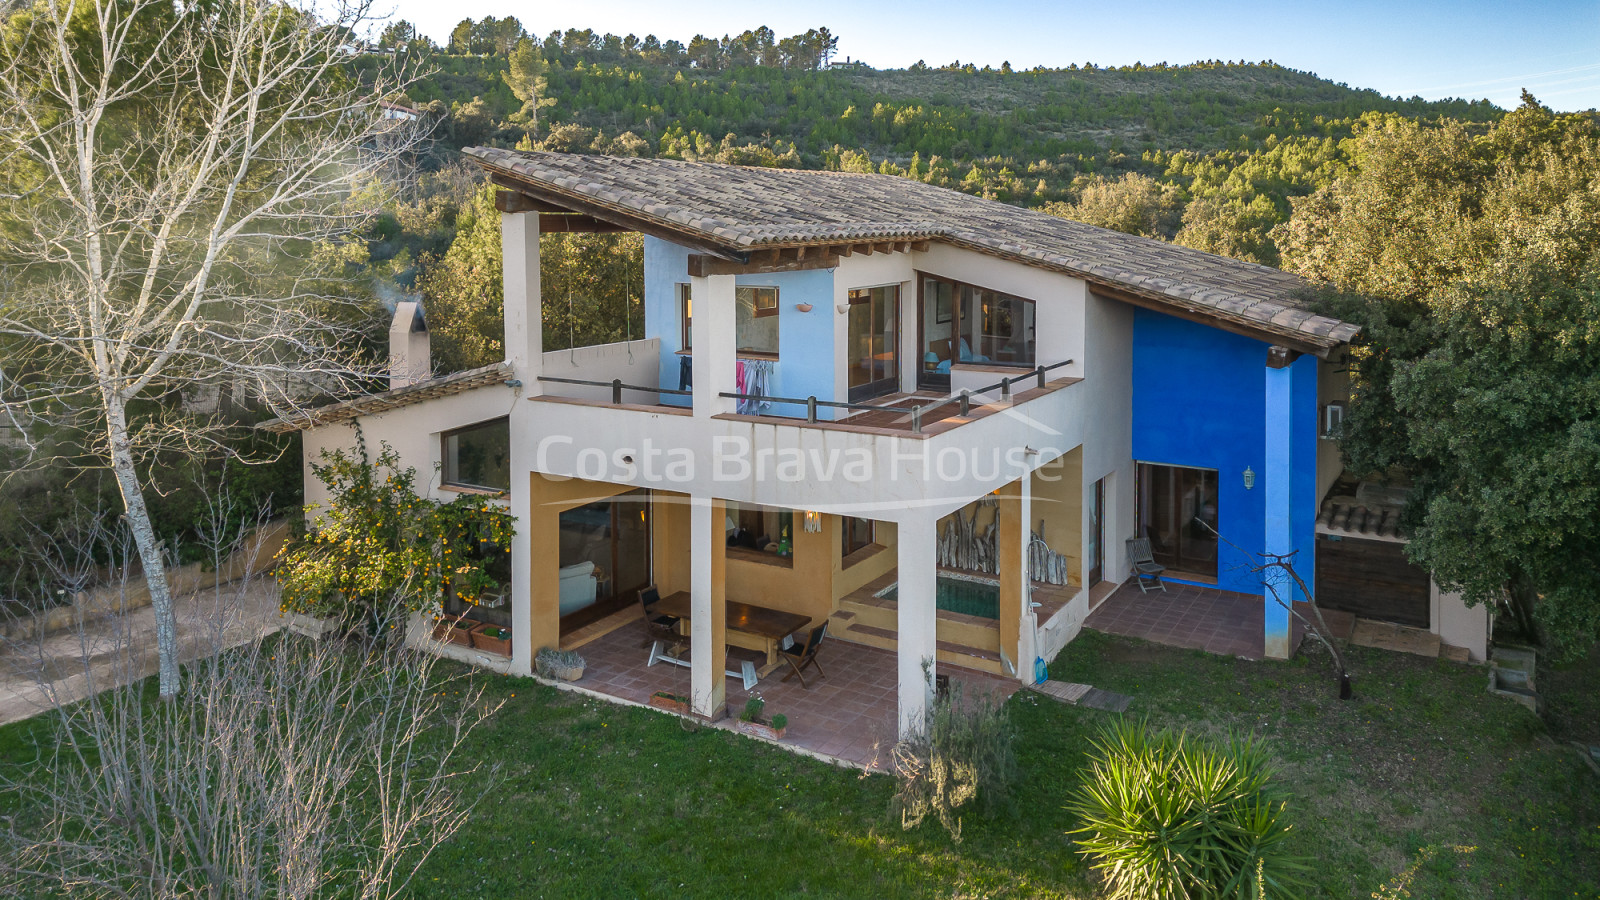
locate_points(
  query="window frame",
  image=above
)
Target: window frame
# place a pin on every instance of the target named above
(848, 529)
(959, 320)
(445, 467)
(685, 317)
(757, 313)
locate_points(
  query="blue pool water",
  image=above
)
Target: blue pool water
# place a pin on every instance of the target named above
(958, 595)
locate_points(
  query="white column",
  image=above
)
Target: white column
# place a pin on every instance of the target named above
(707, 651)
(917, 610)
(716, 343)
(1027, 623)
(524, 307)
(524, 346)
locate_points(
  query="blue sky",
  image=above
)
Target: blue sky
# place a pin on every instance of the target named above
(1469, 48)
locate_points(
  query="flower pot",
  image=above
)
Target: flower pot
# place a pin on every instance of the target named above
(670, 703)
(454, 631)
(500, 646)
(761, 730)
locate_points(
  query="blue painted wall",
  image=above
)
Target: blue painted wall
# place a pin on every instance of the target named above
(1199, 400)
(805, 340)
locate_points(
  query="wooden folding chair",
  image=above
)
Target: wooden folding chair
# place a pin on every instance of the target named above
(1146, 571)
(799, 656)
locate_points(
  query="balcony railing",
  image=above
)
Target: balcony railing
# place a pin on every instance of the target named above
(915, 412)
(617, 387)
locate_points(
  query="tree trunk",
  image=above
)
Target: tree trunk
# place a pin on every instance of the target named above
(144, 537)
(1521, 596)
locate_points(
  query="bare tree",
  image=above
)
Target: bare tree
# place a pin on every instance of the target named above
(175, 183)
(290, 768)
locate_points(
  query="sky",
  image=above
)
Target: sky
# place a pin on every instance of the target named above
(1468, 48)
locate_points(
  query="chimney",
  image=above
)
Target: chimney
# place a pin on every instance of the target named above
(409, 349)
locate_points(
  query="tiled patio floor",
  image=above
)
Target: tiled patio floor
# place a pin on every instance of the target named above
(1200, 618)
(845, 715)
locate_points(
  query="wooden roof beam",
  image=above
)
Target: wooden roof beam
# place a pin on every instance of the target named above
(701, 265)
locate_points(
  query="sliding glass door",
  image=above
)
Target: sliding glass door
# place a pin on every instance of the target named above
(604, 557)
(1178, 513)
(874, 342)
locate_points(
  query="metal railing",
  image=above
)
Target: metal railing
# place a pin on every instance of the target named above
(811, 403)
(617, 387)
(1004, 384)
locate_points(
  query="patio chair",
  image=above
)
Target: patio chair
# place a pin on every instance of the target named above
(1146, 571)
(799, 656)
(660, 628)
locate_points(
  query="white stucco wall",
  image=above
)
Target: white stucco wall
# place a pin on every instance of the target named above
(1457, 624)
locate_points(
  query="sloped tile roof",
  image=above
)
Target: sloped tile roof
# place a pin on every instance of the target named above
(743, 208)
(371, 404)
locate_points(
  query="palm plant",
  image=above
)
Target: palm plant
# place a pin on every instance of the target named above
(1165, 815)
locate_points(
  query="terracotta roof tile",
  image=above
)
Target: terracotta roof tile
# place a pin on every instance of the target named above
(742, 208)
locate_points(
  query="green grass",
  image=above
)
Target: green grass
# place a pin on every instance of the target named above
(595, 800)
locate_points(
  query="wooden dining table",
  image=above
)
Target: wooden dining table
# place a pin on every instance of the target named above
(748, 626)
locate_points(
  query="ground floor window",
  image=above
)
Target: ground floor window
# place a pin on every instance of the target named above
(1173, 501)
(604, 557)
(763, 530)
(857, 534)
(478, 456)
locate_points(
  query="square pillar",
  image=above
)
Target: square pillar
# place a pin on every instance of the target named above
(1277, 482)
(917, 613)
(1014, 535)
(708, 646)
(716, 344)
(524, 306)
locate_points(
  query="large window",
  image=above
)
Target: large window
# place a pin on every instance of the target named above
(756, 320)
(962, 324)
(604, 557)
(1174, 501)
(478, 456)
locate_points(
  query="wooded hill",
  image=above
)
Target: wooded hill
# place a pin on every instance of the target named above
(1074, 120)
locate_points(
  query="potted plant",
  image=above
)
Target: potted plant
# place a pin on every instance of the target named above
(492, 638)
(670, 702)
(454, 630)
(566, 665)
(751, 723)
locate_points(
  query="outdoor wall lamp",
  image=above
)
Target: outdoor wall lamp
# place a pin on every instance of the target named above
(1249, 478)
(803, 307)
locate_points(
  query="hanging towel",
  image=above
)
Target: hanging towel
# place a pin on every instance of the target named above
(685, 373)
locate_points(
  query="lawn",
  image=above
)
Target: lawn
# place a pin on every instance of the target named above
(595, 800)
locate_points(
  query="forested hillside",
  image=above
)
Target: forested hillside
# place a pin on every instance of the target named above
(1208, 154)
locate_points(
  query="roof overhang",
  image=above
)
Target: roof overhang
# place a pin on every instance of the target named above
(739, 256)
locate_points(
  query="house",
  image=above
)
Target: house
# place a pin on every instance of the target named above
(928, 419)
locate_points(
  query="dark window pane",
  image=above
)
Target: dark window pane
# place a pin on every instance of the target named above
(479, 456)
(1173, 502)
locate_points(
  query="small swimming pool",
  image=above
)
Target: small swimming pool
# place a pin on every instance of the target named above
(969, 596)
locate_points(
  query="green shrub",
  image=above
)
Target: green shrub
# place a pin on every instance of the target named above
(780, 721)
(1165, 815)
(965, 752)
(752, 708)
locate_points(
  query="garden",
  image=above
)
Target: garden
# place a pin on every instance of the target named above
(1422, 775)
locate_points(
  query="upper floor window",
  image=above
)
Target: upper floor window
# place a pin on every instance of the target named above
(686, 316)
(478, 456)
(964, 324)
(756, 320)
